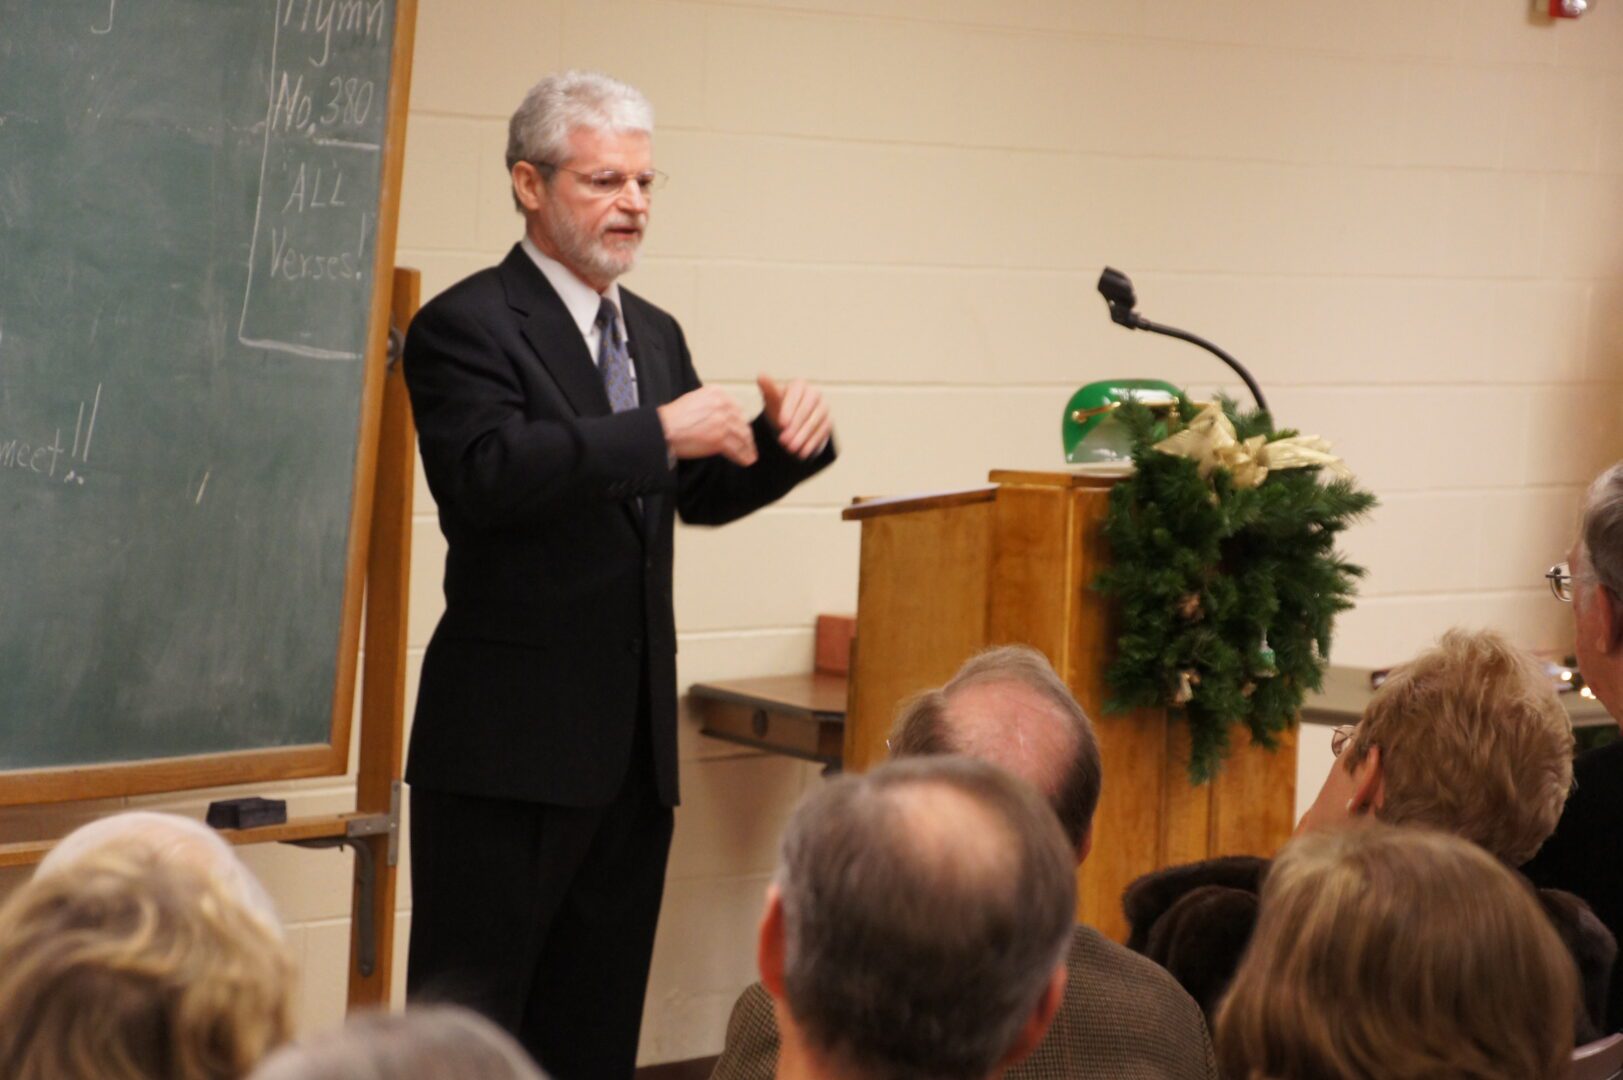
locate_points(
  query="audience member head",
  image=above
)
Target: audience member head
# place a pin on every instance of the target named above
(121, 965)
(559, 104)
(918, 923)
(168, 838)
(1468, 737)
(1596, 565)
(1384, 952)
(431, 1042)
(1007, 705)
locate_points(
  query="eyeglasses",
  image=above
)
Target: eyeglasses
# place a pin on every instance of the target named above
(1560, 578)
(1339, 737)
(607, 183)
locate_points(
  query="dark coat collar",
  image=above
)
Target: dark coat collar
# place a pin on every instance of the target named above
(546, 325)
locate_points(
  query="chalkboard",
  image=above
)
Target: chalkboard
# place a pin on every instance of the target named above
(196, 208)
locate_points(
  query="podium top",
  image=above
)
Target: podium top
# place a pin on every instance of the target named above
(1068, 479)
(862, 509)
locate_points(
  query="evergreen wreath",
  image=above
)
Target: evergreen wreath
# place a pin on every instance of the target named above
(1226, 593)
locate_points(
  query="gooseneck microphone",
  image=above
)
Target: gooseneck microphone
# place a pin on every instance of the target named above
(1117, 289)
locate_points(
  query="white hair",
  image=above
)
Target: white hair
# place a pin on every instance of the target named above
(558, 104)
(426, 1042)
(1602, 531)
(168, 838)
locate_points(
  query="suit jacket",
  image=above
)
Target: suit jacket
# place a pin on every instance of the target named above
(1584, 855)
(558, 628)
(1122, 1017)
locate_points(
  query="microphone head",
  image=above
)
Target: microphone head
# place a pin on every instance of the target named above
(1117, 288)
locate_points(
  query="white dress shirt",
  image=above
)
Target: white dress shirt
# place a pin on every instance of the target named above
(582, 301)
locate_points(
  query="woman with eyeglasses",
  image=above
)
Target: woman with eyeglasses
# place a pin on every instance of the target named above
(1468, 738)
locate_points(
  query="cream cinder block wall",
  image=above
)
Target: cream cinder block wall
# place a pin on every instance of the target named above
(1405, 215)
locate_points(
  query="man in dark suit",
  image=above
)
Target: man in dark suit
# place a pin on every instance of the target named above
(1121, 1016)
(562, 428)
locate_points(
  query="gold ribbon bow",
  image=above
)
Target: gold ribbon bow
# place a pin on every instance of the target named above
(1210, 442)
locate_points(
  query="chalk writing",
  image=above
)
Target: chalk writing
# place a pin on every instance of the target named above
(324, 18)
(350, 103)
(43, 457)
(322, 145)
(291, 107)
(308, 193)
(112, 6)
(39, 458)
(291, 264)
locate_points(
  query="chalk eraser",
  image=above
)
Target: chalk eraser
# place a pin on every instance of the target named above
(249, 813)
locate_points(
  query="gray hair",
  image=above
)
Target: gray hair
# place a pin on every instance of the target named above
(926, 905)
(922, 727)
(539, 129)
(168, 838)
(1602, 532)
(429, 1042)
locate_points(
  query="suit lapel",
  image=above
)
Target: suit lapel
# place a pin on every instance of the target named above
(653, 380)
(553, 335)
(556, 339)
(647, 352)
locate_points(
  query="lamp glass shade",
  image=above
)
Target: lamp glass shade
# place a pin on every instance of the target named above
(1089, 431)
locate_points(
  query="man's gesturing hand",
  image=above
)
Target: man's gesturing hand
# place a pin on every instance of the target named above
(799, 413)
(707, 421)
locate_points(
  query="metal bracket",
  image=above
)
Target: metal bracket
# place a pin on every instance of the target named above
(356, 831)
(366, 935)
(381, 824)
(397, 345)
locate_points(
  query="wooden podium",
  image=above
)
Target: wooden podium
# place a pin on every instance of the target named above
(945, 575)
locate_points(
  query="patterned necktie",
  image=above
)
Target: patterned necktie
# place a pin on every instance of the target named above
(613, 362)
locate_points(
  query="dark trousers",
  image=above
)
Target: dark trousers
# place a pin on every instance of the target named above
(542, 917)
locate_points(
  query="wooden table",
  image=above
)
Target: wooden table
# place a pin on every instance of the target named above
(803, 715)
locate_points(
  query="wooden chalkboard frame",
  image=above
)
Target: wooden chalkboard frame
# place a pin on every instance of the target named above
(373, 830)
(158, 775)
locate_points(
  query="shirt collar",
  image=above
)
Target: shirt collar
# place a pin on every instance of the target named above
(581, 300)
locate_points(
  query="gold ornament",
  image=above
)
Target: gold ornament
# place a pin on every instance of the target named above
(1210, 442)
(1187, 681)
(1189, 607)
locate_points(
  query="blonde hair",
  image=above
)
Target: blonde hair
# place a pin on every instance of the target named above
(1474, 742)
(168, 838)
(1397, 953)
(122, 966)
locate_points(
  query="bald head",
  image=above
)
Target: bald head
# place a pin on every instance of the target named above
(951, 836)
(1015, 728)
(1007, 706)
(923, 911)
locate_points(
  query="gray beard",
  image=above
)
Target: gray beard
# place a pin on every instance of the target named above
(590, 253)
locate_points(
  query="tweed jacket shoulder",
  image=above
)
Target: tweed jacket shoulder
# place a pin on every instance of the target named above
(1122, 1017)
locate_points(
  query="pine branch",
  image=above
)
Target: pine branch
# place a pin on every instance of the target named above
(1258, 565)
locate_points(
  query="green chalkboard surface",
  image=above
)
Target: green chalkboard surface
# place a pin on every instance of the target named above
(189, 232)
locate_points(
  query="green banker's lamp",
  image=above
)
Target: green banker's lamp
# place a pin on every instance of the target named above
(1091, 436)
